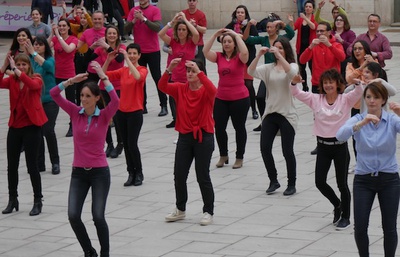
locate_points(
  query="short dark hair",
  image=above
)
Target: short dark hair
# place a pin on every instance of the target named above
(200, 64)
(134, 46)
(310, 2)
(331, 74)
(37, 9)
(378, 90)
(327, 24)
(375, 15)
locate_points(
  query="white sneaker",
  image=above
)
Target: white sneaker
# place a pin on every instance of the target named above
(175, 215)
(207, 219)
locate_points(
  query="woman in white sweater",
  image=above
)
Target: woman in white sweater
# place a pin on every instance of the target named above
(280, 114)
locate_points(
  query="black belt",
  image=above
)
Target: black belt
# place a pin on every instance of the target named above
(330, 142)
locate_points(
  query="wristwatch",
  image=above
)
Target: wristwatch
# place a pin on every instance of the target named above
(144, 19)
(34, 54)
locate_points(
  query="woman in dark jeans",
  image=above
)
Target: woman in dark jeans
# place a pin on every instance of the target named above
(376, 172)
(26, 118)
(90, 168)
(43, 63)
(195, 124)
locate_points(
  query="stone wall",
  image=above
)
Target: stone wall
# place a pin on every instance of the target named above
(219, 11)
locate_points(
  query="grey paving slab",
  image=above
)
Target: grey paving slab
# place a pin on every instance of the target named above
(247, 222)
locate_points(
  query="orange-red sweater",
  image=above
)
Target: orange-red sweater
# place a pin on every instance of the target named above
(25, 104)
(132, 93)
(194, 107)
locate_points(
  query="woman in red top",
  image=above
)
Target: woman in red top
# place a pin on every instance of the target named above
(18, 43)
(27, 117)
(305, 26)
(129, 116)
(183, 45)
(194, 122)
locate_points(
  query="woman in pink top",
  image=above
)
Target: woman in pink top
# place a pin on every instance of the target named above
(232, 96)
(183, 45)
(90, 168)
(64, 44)
(109, 50)
(331, 110)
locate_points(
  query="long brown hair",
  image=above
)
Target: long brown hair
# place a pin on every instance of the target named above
(25, 58)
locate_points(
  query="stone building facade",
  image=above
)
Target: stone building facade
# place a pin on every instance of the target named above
(219, 11)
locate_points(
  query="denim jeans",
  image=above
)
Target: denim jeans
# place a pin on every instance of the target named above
(387, 187)
(51, 109)
(271, 124)
(187, 149)
(130, 124)
(29, 137)
(341, 157)
(81, 181)
(237, 110)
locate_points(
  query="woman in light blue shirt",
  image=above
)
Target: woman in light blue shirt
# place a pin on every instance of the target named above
(376, 171)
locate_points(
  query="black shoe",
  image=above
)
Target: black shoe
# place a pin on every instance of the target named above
(91, 253)
(55, 169)
(109, 149)
(138, 179)
(69, 133)
(163, 112)
(272, 187)
(255, 115)
(258, 128)
(123, 40)
(117, 151)
(171, 125)
(290, 190)
(315, 151)
(336, 214)
(343, 224)
(12, 203)
(37, 207)
(129, 181)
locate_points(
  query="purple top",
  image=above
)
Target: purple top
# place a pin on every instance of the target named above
(89, 131)
(348, 38)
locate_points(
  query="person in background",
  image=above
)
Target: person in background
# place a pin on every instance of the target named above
(130, 113)
(273, 28)
(26, 118)
(64, 45)
(146, 20)
(76, 12)
(336, 10)
(300, 6)
(195, 124)
(232, 99)
(43, 63)
(38, 28)
(89, 168)
(377, 170)
(379, 43)
(344, 35)
(281, 114)
(331, 109)
(241, 21)
(46, 7)
(19, 40)
(113, 10)
(199, 21)
(183, 45)
(305, 26)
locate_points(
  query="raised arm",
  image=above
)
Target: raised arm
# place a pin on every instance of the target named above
(208, 53)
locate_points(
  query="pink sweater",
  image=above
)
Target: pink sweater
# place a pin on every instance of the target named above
(89, 131)
(328, 118)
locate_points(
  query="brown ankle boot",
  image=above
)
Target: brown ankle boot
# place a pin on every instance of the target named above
(238, 164)
(222, 160)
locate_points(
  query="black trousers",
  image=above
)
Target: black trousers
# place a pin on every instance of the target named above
(187, 149)
(51, 109)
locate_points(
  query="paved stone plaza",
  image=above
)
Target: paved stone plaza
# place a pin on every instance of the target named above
(247, 222)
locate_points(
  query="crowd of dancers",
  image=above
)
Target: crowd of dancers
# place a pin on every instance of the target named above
(105, 86)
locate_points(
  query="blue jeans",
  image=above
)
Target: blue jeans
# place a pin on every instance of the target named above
(387, 187)
(81, 181)
(188, 149)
